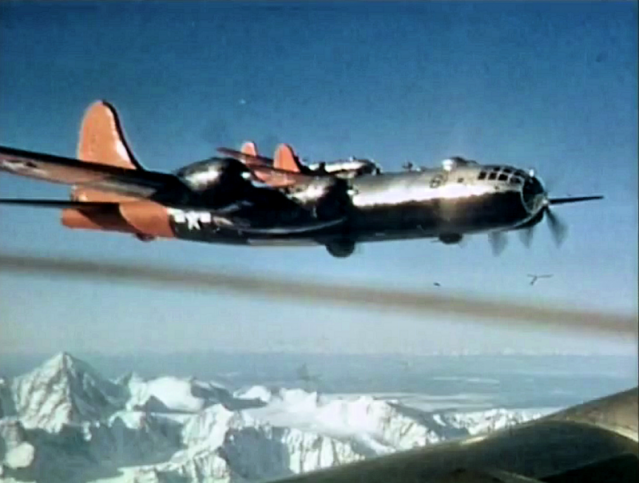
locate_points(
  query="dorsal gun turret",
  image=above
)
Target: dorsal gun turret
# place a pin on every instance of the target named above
(450, 164)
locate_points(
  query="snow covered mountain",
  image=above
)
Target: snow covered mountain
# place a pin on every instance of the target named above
(64, 422)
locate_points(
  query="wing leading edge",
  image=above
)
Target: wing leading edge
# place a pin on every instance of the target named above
(594, 441)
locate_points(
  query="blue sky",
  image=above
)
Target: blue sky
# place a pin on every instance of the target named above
(550, 85)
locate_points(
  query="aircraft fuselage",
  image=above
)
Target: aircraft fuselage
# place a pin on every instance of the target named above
(427, 204)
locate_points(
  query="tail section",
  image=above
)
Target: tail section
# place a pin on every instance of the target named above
(285, 159)
(102, 141)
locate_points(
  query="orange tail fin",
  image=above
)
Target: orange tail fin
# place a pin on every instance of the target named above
(286, 159)
(250, 148)
(102, 141)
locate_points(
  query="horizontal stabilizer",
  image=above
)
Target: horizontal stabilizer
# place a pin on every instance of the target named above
(573, 199)
(60, 204)
(58, 169)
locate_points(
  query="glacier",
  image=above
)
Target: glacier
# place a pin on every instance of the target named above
(65, 422)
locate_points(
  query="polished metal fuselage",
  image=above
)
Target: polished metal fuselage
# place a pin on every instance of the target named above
(423, 204)
(434, 202)
(351, 168)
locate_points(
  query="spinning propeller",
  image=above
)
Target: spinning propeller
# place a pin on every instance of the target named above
(558, 229)
(498, 241)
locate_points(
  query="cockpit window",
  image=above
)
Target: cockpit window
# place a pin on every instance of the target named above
(507, 170)
(482, 175)
(492, 175)
(515, 180)
(503, 177)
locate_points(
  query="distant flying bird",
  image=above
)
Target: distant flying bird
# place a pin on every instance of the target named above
(437, 284)
(534, 278)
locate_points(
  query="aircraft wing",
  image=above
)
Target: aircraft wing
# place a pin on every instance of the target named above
(58, 169)
(592, 442)
(59, 204)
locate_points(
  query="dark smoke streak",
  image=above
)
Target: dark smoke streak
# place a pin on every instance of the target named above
(497, 313)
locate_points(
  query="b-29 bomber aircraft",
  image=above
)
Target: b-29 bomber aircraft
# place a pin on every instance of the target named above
(225, 200)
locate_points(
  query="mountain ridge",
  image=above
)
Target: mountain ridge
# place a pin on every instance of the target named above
(63, 420)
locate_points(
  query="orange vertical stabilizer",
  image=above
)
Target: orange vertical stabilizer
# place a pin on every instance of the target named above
(250, 148)
(286, 159)
(101, 141)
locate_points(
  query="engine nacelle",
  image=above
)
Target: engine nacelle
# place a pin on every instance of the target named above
(218, 181)
(351, 168)
(327, 197)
